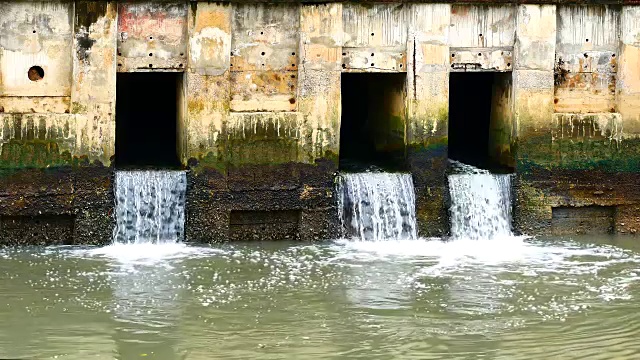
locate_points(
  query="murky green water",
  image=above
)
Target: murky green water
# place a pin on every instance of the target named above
(500, 299)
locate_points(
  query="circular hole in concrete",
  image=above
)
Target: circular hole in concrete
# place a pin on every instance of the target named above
(119, 64)
(35, 73)
(400, 65)
(150, 54)
(585, 55)
(344, 66)
(508, 64)
(587, 40)
(150, 37)
(372, 54)
(181, 54)
(479, 54)
(480, 35)
(150, 65)
(294, 65)
(262, 53)
(372, 64)
(613, 55)
(119, 54)
(372, 34)
(453, 55)
(34, 31)
(293, 76)
(179, 65)
(293, 54)
(261, 33)
(292, 101)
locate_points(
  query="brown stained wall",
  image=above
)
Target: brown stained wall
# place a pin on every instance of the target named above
(259, 128)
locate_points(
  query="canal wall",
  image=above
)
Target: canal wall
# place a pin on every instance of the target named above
(259, 109)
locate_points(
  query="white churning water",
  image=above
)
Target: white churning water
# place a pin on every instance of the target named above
(377, 206)
(149, 207)
(480, 204)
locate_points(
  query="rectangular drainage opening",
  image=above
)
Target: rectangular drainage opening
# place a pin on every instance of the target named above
(568, 220)
(147, 112)
(247, 225)
(37, 230)
(481, 119)
(372, 130)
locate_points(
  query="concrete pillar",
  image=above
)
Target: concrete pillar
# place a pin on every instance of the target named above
(206, 114)
(533, 102)
(628, 105)
(207, 83)
(628, 85)
(319, 79)
(319, 106)
(93, 90)
(427, 115)
(93, 100)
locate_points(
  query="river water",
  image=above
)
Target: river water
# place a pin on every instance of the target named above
(512, 298)
(382, 294)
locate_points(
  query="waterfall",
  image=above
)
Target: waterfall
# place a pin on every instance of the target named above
(480, 203)
(149, 206)
(377, 206)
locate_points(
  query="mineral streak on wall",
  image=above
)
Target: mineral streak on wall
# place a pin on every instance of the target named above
(258, 108)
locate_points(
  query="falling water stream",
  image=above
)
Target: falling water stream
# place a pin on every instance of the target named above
(480, 203)
(149, 207)
(377, 205)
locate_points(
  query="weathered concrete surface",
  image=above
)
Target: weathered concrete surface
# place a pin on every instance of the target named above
(584, 157)
(260, 107)
(152, 35)
(262, 134)
(57, 134)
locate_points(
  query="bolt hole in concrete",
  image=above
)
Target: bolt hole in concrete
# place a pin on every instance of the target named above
(35, 73)
(150, 54)
(372, 128)
(147, 120)
(262, 53)
(480, 119)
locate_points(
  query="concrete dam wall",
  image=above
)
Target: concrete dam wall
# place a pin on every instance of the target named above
(263, 103)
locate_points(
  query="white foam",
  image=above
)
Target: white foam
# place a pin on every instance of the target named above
(148, 253)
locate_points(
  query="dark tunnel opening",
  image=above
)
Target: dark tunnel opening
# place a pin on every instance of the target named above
(480, 119)
(372, 128)
(147, 120)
